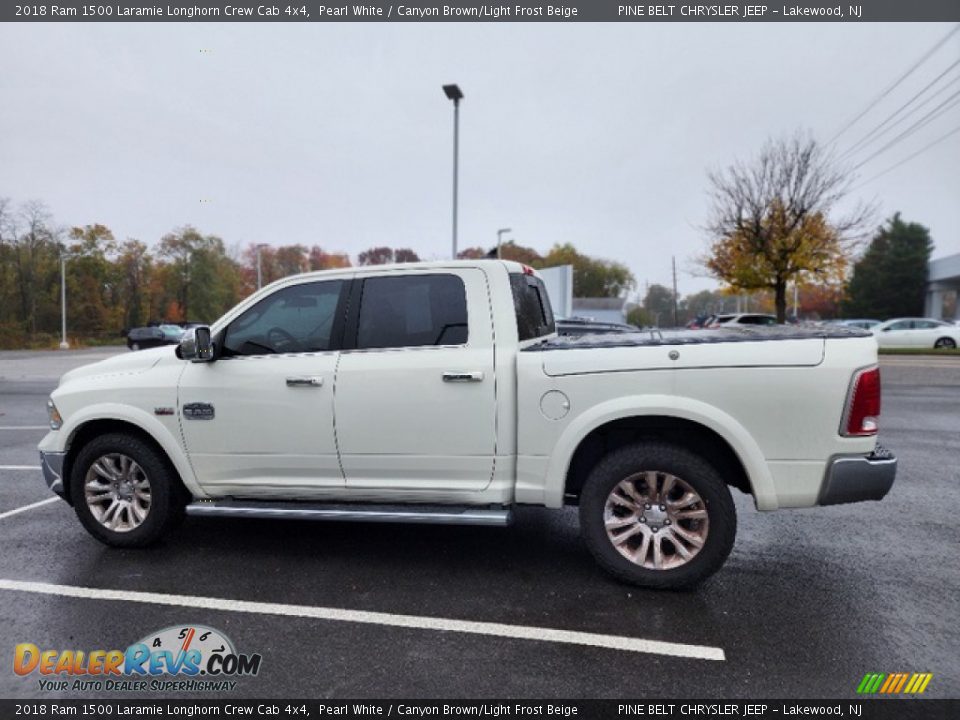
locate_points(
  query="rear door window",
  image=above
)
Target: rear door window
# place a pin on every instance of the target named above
(412, 311)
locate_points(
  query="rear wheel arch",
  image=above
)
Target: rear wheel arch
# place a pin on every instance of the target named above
(680, 432)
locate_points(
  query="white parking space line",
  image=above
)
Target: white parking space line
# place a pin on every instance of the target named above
(416, 622)
(24, 427)
(19, 467)
(31, 506)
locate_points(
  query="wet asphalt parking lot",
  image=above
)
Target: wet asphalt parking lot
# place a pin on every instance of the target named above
(808, 602)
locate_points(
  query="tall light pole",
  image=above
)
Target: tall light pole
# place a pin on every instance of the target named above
(260, 247)
(64, 345)
(500, 233)
(454, 93)
(673, 260)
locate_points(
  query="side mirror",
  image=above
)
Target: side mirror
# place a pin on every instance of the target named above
(196, 345)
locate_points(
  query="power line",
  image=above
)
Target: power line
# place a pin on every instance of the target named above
(909, 157)
(929, 117)
(865, 140)
(896, 83)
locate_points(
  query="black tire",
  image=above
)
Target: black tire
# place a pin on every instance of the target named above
(134, 346)
(690, 469)
(945, 344)
(167, 497)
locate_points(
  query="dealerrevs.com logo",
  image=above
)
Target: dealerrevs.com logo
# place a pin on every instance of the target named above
(178, 658)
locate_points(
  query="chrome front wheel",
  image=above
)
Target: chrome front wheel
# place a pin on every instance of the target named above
(125, 491)
(117, 492)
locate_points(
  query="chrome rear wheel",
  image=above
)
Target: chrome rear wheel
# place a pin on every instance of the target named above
(656, 520)
(657, 515)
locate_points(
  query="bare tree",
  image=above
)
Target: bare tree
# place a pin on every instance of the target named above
(34, 240)
(5, 220)
(775, 219)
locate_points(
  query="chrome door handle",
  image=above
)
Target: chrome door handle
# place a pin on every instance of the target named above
(451, 376)
(305, 381)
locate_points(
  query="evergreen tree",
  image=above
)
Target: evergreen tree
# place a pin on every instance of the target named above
(890, 279)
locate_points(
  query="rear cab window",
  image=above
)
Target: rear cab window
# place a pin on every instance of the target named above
(532, 307)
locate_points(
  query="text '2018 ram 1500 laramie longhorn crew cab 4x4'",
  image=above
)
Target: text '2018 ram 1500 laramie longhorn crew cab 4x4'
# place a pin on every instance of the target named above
(440, 392)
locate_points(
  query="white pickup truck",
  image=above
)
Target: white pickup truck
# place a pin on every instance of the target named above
(440, 392)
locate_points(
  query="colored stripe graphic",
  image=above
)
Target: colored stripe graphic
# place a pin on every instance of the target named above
(894, 683)
(903, 680)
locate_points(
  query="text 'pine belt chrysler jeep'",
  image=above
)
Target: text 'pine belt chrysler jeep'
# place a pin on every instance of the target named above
(440, 392)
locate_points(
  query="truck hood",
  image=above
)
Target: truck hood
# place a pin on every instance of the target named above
(123, 364)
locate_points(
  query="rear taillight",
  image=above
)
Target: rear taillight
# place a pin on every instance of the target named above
(863, 404)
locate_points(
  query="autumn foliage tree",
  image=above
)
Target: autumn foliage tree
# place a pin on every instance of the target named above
(774, 220)
(386, 255)
(320, 259)
(592, 277)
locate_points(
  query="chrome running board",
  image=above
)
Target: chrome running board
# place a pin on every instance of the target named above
(352, 512)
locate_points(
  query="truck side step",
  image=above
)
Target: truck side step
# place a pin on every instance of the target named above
(352, 512)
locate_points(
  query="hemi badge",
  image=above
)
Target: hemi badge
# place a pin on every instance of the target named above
(163, 411)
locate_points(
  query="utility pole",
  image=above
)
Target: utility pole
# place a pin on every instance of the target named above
(676, 321)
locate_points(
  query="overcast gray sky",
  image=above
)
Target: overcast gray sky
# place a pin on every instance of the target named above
(339, 135)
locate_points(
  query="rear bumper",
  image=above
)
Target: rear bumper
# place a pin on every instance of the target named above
(52, 465)
(855, 478)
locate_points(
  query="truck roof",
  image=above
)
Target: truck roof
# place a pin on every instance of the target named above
(510, 265)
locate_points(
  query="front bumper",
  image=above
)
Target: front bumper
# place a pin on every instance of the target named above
(854, 478)
(52, 465)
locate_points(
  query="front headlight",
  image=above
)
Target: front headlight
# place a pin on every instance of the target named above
(56, 422)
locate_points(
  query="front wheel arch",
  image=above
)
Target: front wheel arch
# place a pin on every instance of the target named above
(95, 428)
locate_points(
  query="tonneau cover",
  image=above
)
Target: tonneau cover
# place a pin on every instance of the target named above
(721, 348)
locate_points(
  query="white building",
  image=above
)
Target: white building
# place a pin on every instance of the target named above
(943, 278)
(612, 310)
